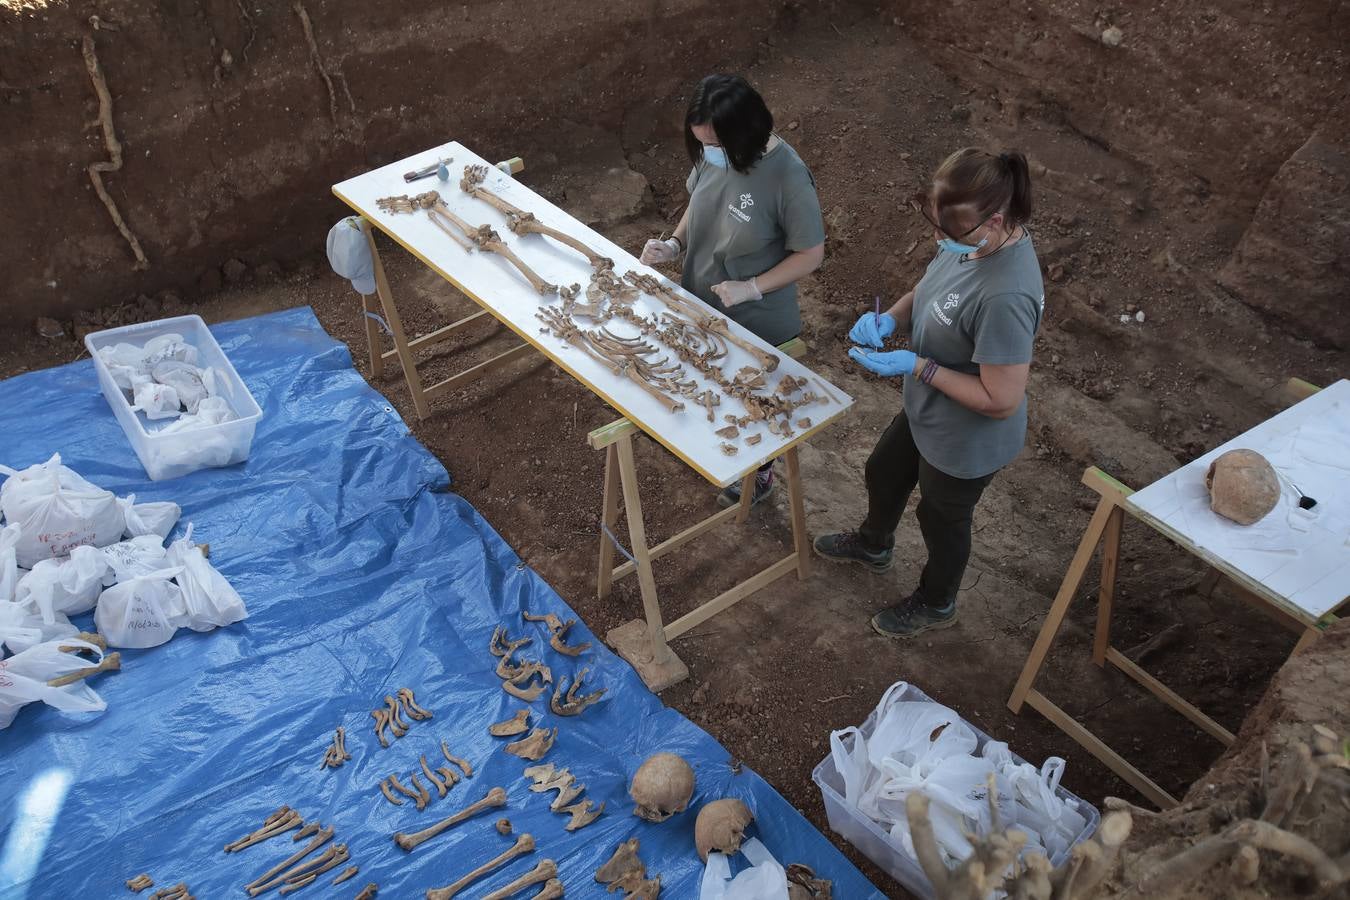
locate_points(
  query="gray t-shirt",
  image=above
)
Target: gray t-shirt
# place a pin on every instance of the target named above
(741, 226)
(966, 313)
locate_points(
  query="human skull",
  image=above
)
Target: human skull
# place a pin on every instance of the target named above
(662, 787)
(1242, 486)
(720, 826)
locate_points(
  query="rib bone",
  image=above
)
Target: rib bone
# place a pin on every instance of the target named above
(495, 798)
(538, 875)
(448, 775)
(416, 796)
(381, 723)
(437, 783)
(396, 723)
(384, 789)
(524, 844)
(533, 747)
(517, 724)
(462, 763)
(410, 704)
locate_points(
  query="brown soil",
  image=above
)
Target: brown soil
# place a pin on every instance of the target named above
(1126, 220)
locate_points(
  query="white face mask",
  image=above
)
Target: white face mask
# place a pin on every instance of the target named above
(715, 156)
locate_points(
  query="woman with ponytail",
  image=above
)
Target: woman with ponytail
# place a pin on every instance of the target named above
(971, 321)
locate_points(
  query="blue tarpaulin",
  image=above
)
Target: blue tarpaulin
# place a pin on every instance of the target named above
(362, 574)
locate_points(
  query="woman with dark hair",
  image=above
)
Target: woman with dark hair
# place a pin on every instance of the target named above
(971, 320)
(752, 228)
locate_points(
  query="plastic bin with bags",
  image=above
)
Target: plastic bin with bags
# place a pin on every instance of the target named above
(910, 742)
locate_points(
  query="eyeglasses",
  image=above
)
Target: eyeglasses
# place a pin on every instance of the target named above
(923, 202)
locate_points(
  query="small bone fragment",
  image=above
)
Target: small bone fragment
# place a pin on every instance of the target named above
(503, 826)
(276, 814)
(538, 875)
(410, 704)
(437, 783)
(384, 789)
(309, 830)
(139, 883)
(285, 823)
(571, 704)
(754, 439)
(255, 886)
(462, 763)
(396, 724)
(533, 747)
(566, 794)
(501, 645)
(729, 419)
(336, 754)
(368, 892)
(524, 844)
(557, 643)
(448, 775)
(495, 798)
(517, 724)
(624, 860)
(582, 814)
(423, 795)
(349, 872)
(178, 890)
(803, 424)
(111, 663)
(729, 449)
(381, 723)
(645, 890)
(730, 432)
(414, 795)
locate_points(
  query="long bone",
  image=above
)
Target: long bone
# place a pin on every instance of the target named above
(522, 222)
(553, 889)
(111, 663)
(349, 872)
(709, 321)
(483, 236)
(524, 844)
(299, 868)
(538, 875)
(304, 877)
(368, 892)
(495, 798)
(440, 786)
(324, 836)
(290, 819)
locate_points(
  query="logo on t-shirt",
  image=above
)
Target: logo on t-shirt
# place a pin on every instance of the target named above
(940, 312)
(747, 200)
(741, 214)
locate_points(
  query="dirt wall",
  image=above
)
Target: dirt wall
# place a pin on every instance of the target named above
(232, 135)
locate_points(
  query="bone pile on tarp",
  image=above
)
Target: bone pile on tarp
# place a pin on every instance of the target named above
(68, 547)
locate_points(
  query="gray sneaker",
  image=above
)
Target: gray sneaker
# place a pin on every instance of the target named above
(846, 546)
(911, 617)
(731, 495)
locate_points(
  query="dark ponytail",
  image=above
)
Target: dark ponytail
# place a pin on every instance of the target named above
(986, 182)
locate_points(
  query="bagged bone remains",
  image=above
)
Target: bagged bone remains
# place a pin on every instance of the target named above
(1242, 486)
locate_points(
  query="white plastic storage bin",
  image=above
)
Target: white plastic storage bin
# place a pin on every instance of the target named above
(876, 843)
(174, 455)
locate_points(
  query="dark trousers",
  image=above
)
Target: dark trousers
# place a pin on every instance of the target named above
(946, 508)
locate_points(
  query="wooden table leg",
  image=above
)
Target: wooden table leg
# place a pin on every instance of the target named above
(395, 323)
(609, 518)
(1067, 589)
(797, 505)
(637, 537)
(1107, 594)
(747, 497)
(373, 340)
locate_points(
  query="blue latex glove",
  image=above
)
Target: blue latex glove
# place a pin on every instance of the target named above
(872, 329)
(892, 363)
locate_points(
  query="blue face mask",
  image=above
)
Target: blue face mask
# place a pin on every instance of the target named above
(957, 247)
(715, 156)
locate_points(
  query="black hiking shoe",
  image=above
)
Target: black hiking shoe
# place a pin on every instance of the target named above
(731, 496)
(911, 617)
(846, 546)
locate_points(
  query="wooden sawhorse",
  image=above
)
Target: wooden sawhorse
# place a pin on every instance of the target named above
(1105, 529)
(644, 644)
(403, 348)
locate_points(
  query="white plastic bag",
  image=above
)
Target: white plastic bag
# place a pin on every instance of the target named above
(141, 612)
(134, 557)
(21, 627)
(9, 563)
(208, 599)
(850, 761)
(66, 586)
(765, 879)
(24, 676)
(157, 518)
(157, 401)
(211, 411)
(57, 511)
(187, 380)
